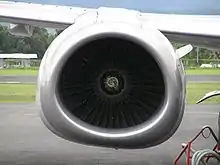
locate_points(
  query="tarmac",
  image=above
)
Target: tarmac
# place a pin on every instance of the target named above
(33, 79)
(18, 79)
(203, 78)
(24, 140)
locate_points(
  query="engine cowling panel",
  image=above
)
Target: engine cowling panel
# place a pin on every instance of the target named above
(111, 84)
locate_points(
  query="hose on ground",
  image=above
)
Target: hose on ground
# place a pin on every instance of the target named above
(199, 155)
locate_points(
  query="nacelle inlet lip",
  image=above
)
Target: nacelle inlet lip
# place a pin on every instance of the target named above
(59, 121)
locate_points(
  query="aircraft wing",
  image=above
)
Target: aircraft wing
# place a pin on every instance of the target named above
(202, 30)
(39, 15)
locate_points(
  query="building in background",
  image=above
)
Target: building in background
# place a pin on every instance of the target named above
(16, 60)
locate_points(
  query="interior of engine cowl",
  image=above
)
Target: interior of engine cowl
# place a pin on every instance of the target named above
(111, 83)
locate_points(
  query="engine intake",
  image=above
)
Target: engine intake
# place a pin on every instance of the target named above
(111, 84)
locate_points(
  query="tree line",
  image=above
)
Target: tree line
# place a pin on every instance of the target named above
(37, 43)
(41, 39)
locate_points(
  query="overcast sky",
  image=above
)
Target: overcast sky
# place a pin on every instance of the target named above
(162, 6)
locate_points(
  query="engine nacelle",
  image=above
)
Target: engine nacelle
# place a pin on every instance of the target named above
(112, 84)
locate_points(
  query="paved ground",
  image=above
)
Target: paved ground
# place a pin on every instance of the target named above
(33, 79)
(203, 78)
(18, 79)
(24, 140)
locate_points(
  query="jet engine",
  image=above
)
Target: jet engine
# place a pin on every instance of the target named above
(112, 84)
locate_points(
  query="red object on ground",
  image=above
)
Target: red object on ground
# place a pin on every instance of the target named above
(188, 150)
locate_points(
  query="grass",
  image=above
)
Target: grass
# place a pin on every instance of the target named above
(197, 90)
(34, 71)
(13, 93)
(26, 92)
(28, 72)
(200, 71)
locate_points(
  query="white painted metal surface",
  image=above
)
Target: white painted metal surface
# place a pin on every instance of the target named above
(194, 29)
(18, 56)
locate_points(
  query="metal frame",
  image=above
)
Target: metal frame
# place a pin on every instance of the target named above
(188, 150)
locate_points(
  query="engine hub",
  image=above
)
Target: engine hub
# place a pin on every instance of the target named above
(112, 83)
